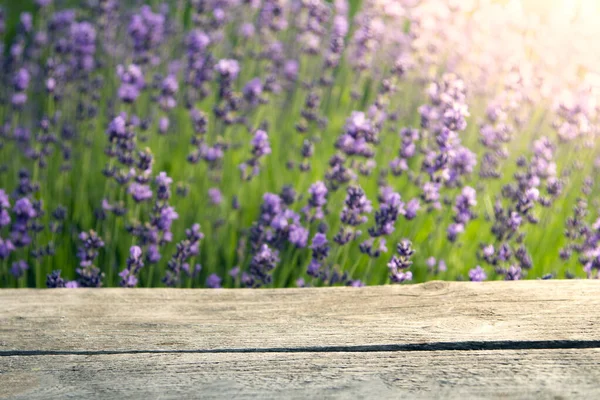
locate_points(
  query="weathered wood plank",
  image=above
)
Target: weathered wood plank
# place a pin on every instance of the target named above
(437, 374)
(163, 319)
(454, 340)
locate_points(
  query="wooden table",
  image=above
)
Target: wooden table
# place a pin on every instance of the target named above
(530, 339)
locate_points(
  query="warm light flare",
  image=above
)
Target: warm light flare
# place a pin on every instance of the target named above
(565, 11)
(567, 33)
(552, 45)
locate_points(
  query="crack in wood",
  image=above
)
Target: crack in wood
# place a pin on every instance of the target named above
(411, 347)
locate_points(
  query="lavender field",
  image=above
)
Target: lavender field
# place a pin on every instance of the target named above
(286, 143)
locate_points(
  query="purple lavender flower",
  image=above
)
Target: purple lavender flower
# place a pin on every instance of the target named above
(25, 213)
(514, 221)
(411, 209)
(277, 225)
(504, 252)
(298, 235)
(369, 247)
(228, 69)
(4, 207)
(313, 268)
(163, 125)
(132, 82)
(358, 137)
(83, 37)
(89, 275)
(21, 80)
(6, 247)
(260, 144)
(477, 274)
(290, 70)
(4, 200)
(19, 268)
(246, 30)
(356, 204)
(454, 230)
(513, 273)
(186, 249)
(272, 205)
(401, 262)
(286, 226)
(140, 192)
(463, 212)
(464, 203)
(200, 65)
(431, 262)
(288, 195)
(147, 30)
(235, 271)
(213, 281)
(253, 90)
(320, 251)
(316, 201)
(215, 196)
(26, 20)
(166, 218)
(117, 128)
(62, 18)
(442, 267)
(21, 83)
(19, 99)
(197, 41)
(260, 148)
(387, 215)
(261, 265)
(135, 263)
(462, 163)
(431, 194)
(54, 280)
(163, 183)
(169, 88)
(356, 283)
(367, 38)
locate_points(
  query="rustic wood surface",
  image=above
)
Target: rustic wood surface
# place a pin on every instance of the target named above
(530, 339)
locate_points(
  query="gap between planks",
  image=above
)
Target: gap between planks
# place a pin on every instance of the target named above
(417, 347)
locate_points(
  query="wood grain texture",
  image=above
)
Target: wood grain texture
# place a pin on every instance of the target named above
(164, 319)
(535, 374)
(530, 339)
